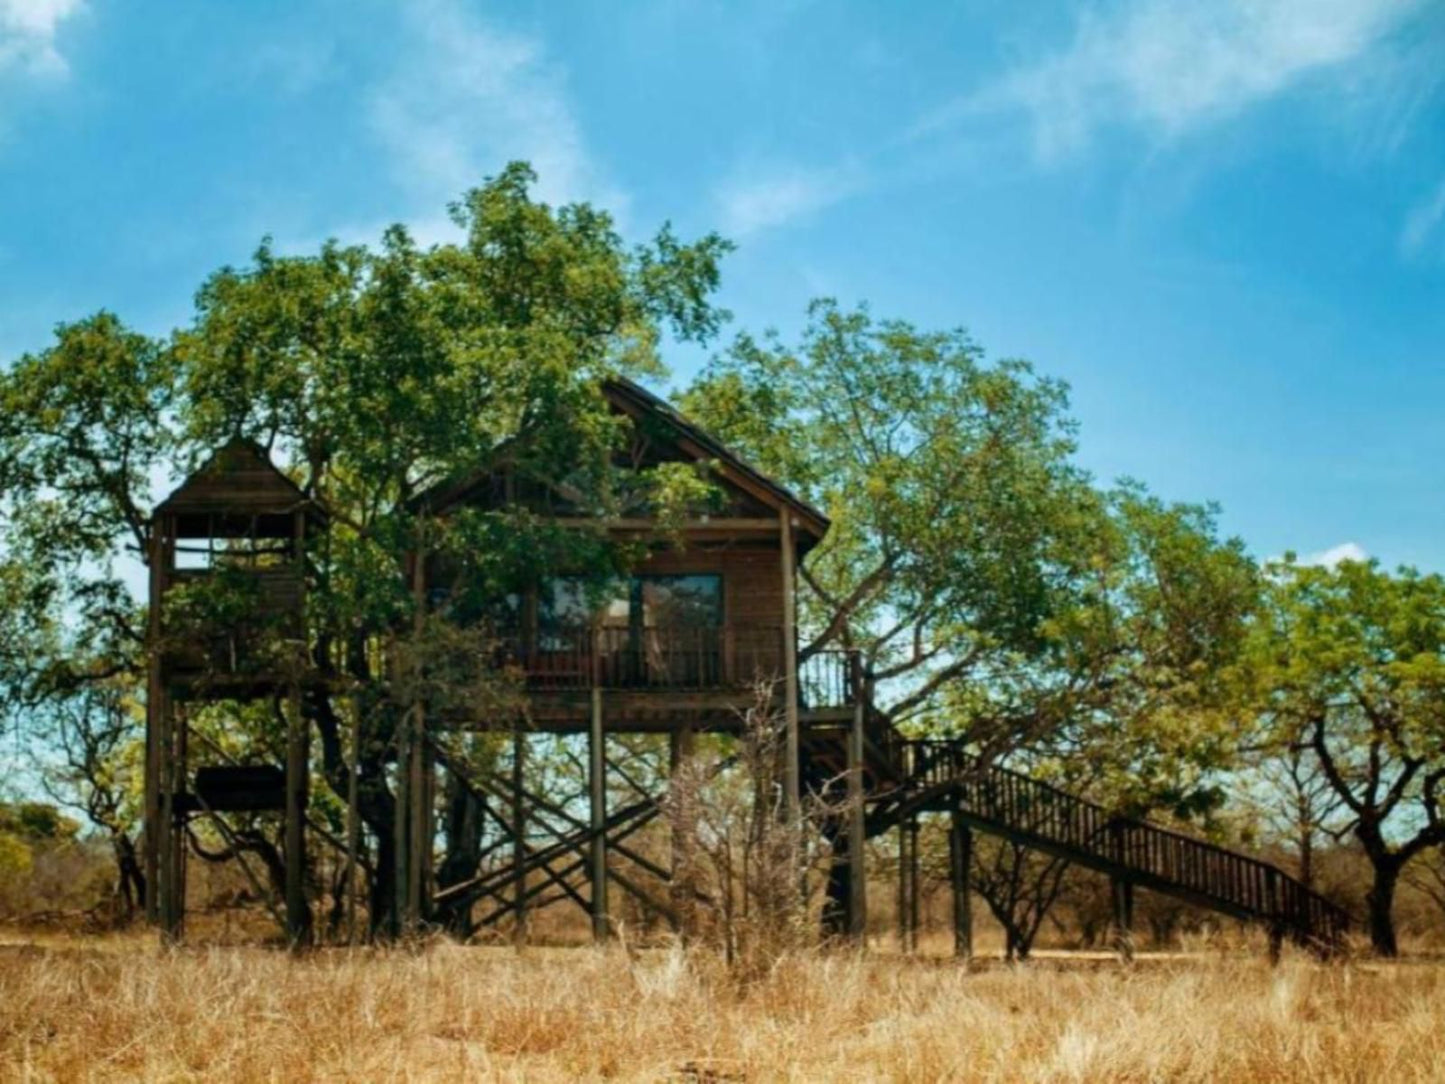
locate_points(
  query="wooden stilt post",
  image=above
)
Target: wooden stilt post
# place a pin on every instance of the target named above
(1123, 897)
(1276, 923)
(793, 750)
(408, 777)
(857, 826)
(913, 893)
(181, 729)
(157, 705)
(960, 854)
(353, 820)
(419, 822)
(519, 837)
(150, 842)
(597, 785)
(298, 918)
(400, 833)
(681, 799)
(167, 843)
(905, 869)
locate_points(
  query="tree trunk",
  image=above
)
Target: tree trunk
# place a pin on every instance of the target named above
(1011, 942)
(375, 802)
(1381, 903)
(130, 879)
(1024, 944)
(464, 853)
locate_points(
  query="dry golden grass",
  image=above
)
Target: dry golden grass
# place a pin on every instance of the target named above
(119, 1009)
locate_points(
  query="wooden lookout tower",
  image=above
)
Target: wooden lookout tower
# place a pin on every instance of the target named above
(228, 572)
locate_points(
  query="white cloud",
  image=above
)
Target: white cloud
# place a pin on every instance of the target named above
(466, 98)
(1422, 221)
(1168, 66)
(751, 201)
(1345, 551)
(28, 29)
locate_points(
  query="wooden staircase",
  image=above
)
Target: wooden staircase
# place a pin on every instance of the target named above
(942, 776)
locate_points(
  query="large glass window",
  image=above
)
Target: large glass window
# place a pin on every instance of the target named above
(693, 601)
(641, 601)
(573, 602)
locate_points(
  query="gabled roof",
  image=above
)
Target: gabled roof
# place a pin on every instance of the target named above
(637, 402)
(238, 478)
(634, 399)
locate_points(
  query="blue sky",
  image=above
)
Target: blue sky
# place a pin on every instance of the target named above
(1222, 221)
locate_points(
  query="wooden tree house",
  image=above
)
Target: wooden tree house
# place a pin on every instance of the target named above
(681, 645)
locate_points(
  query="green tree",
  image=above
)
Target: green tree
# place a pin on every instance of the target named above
(994, 591)
(369, 375)
(1347, 663)
(93, 762)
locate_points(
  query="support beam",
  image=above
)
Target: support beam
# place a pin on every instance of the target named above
(418, 820)
(857, 813)
(907, 838)
(682, 810)
(170, 842)
(1122, 892)
(410, 741)
(159, 560)
(182, 728)
(960, 859)
(1276, 925)
(913, 893)
(163, 823)
(428, 828)
(298, 916)
(150, 841)
(597, 786)
(793, 751)
(519, 837)
(401, 836)
(353, 820)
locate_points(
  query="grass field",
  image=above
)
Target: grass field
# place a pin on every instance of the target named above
(119, 1009)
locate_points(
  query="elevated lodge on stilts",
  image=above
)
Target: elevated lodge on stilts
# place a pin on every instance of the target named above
(679, 648)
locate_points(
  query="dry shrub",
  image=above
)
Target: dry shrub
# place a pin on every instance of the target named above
(118, 1009)
(740, 848)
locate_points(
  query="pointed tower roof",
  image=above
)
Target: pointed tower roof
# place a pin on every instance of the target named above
(239, 479)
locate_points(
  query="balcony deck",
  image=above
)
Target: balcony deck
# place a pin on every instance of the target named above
(657, 677)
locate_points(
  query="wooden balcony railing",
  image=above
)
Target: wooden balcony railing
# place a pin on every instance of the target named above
(671, 657)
